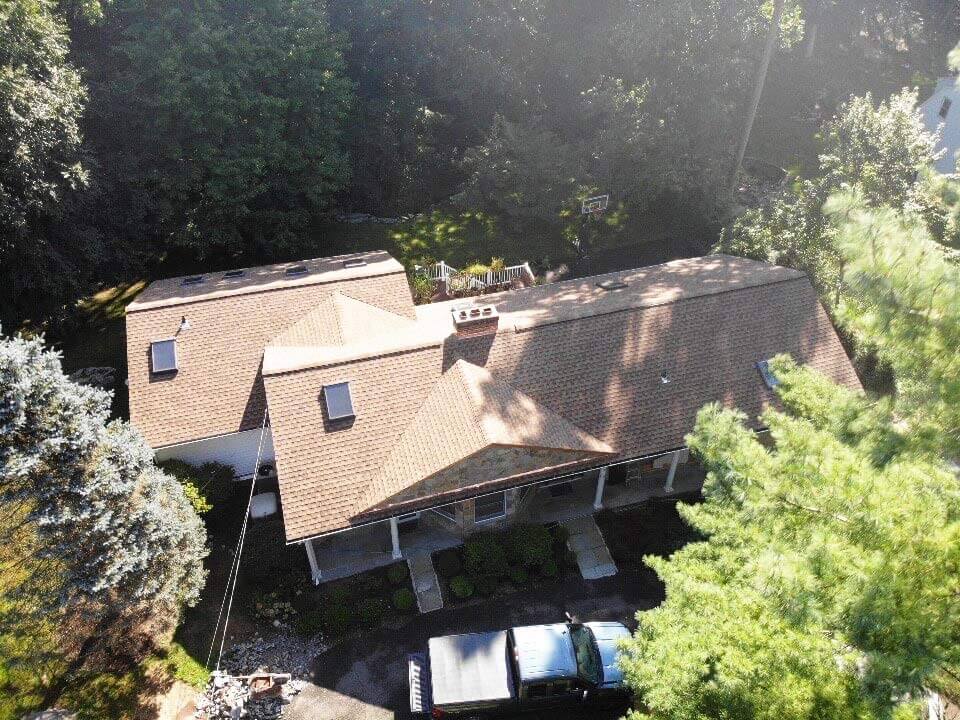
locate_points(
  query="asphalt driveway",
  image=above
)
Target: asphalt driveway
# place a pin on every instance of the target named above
(365, 677)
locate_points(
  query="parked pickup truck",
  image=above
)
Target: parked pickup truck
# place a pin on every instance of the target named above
(523, 668)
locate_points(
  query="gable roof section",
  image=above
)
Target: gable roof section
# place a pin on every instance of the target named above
(591, 357)
(467, 412)
(217, 388)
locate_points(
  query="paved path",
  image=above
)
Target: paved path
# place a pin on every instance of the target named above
(586, 541)
(364, 677)
(425, 583)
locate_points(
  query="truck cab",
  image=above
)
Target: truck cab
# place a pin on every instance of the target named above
(524, 668)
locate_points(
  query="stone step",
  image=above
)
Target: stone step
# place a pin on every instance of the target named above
(426, 586)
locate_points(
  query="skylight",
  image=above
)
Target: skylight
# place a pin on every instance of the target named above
(234, 274)
(339, 401)
(192, 280)
(611, 285)
(296, 270)
(766, 372)
(163, 356)
(354, 263)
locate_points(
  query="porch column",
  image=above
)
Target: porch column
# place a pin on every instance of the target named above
(673, 471)
(601, 484)
(395, 538)
(315, 573)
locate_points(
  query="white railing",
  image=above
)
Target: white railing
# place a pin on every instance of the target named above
(458, 280)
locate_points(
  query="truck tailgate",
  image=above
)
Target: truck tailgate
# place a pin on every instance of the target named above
(418, 672)
(470, 670)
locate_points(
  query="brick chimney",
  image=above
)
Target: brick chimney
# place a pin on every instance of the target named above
(472, 321)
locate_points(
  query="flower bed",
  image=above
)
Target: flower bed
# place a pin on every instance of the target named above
(498, 563)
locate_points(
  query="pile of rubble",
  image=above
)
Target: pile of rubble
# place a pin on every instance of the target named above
(283, 652)
(231, 698)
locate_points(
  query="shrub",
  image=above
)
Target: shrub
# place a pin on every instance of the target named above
(461, 587)
(370, 611)
(337, 618)
(396, 574)
(530, 545)
(485, 555)
(448, 563)
(560, 534)
(204, 485)
(309, 623)
(487, 584)
(519, 576)
(404, 599)
(550, 568)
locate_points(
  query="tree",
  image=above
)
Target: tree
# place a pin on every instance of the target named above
(41, 100)
(218, 127)
(108, 541)
(880, 149)
(826, 587)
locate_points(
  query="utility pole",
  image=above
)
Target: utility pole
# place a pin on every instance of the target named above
(773, 34)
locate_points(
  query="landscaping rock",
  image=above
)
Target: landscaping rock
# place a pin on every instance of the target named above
(280, 653)
(101, 377)
(227, 697)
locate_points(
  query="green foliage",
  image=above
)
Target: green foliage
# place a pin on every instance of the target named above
(529, 545)
(550, 569)
(185, 668)
(204, 485)
(454, 238)
(370, 611)
(336, 617)
(519, 576)
(462, 587)
(448, 563)
(819, 592)
(403, 599)
(422, 288)
(486, 585)
(484, 554)
(398, 573)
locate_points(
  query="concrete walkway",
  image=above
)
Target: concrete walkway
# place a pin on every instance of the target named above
(586, 542)
(425, 583)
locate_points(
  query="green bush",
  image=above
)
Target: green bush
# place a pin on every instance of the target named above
(204, 485)
(461, 587)
(309, 623)
(448, 563)
(519, 576)
(560, 534)
(398, 573)
(487, 584)
(550, 569)
(337, 618)
(404, 599)
(370, 611)
(530, 545)
(485, 555)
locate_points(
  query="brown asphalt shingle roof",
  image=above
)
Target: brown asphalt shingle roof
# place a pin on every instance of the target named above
(590, 356)
(218, 388)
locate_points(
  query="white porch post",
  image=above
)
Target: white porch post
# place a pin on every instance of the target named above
(315, 573)
(673, 471)
(395, 538)
(601, 484)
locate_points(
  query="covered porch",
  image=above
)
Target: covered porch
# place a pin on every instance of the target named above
(558, 500)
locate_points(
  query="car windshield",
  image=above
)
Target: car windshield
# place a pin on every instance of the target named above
(588, 660)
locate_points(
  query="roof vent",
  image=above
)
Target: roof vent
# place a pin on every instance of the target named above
(234, 274)
(475, 319)
(354, 263)
(664, 377)
(192, 280)
(611, 285)
(766, 372)
(296, 270)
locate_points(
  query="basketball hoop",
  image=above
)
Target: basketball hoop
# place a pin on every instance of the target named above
(594, 206)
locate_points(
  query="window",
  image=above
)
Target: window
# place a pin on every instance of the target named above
(192, 280)
(767, 374)
(296, 270)
(588, 659)
(233, 274)
(490, 507)
(163, 356)
(339, 401)
(945, 107)
(447, 511)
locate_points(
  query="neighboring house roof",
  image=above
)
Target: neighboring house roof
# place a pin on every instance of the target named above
(468, 430)
(218, 389)
(586, 364)
(941, 113)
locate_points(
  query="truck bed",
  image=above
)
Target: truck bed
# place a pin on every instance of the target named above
(470, 670)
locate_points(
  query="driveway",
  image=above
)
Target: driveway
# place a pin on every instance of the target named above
(365, 677)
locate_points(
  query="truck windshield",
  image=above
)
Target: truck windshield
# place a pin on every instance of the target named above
(588, 658)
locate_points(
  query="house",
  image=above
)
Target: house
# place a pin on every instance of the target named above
(941, 113)
(379, 414)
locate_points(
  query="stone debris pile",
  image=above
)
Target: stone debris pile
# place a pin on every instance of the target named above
(280, 653)
(237, 698)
